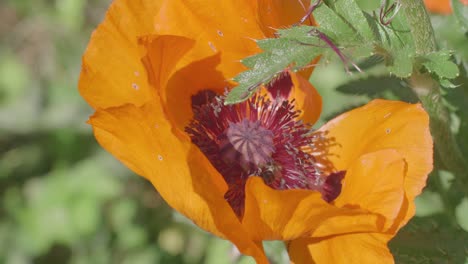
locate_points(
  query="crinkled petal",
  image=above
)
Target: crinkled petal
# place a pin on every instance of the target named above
(342, 249)
(307, 99)
(375, 182)
(142, 139)
(187, 82)
(289, 214)
(201, 75)
(276, 14)
(228, 27)
(163, 53)
(372, 198)
(112, 72)
(381, 125)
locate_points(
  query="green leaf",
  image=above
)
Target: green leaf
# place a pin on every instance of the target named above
(351, 12)
(458, 98)
(402, 64)
(379, 87)
(461, 214)
(334, 26)
(370, 62)
(441, 64)
(278, 54)
(429, 240)
(344, 29)
(461, 13)
(447, 84)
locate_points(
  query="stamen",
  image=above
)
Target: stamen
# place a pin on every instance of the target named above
(281, 86)
(264, 138)
(332, 187)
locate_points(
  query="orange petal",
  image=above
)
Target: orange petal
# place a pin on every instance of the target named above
(439, 6)
(232, 37)
(142, 139)
(383, 125)
(162, 55)
(375, 183)
(227, 27)
(276, 14)
(177, 88)
(343, 249)
(112, 73)
(307, 99)
(284, 215)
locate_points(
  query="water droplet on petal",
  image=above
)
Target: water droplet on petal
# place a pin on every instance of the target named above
(135, 86)
(212, 46)
(160, 158)
(220, 33)
(136, 73)
(388, 130)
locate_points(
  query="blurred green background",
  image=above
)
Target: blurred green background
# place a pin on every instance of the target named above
(65, 200)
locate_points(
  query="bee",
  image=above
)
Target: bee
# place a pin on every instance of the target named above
(270, 172)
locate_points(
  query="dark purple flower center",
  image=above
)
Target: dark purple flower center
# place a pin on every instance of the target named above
(247, 143)
(260, 137)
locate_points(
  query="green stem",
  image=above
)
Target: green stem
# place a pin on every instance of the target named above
(420, 26)
(428, 91)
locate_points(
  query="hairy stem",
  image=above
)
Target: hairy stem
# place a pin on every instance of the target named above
(428, 91)
(420, 26)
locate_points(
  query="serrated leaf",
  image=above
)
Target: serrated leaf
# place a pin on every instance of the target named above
(393, 37)
(447, 84)
(351, 12)
(401, 34)
(295, 32)
(334, 26)
(440, 64)
(370, 62)
(279, 53)
(344, 29)
(374, 26)
(402, 64)
(379, 87)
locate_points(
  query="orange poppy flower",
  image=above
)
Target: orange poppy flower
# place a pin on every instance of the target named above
(443, 7)
(438, 6)
(155, 72)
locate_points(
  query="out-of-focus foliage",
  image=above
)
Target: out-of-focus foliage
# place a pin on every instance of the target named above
(64, 200)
